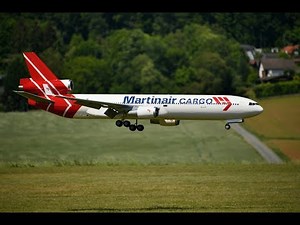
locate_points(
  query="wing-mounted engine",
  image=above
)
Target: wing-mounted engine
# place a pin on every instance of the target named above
(147, 112)
(165, 122)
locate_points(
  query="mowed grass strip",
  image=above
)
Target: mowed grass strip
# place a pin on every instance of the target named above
(151, 188)
(279, 124)
(39, 138)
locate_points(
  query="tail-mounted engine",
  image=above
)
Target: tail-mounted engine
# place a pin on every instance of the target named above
(52, 87)
(67, 84)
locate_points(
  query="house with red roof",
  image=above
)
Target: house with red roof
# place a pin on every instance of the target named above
(291, 50)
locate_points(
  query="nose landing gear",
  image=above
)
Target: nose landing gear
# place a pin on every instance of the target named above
(227, 125)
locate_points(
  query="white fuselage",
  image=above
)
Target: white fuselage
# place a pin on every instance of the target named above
(181, 107)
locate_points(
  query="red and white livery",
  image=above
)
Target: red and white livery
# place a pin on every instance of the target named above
(45, 91)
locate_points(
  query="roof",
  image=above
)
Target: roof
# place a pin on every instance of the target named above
(247, 47)
(290, 48)
(270, 56)
(272, 63)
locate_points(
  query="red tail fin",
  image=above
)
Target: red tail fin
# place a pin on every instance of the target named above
(43, 81)
(37, 69)
(43, 87)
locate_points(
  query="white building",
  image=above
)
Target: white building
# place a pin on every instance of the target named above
(271, 68)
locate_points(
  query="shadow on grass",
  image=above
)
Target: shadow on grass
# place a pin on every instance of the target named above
(149, 209)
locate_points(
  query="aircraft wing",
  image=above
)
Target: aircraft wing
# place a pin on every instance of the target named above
(34, 97)
(113, 108)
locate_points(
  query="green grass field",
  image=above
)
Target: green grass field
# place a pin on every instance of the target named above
(279, 125)
(37, 138)
(53, 164)
(152, 188)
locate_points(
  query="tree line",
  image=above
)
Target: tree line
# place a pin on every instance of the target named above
(196, 53)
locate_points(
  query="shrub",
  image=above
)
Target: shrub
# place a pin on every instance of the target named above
(280, 88)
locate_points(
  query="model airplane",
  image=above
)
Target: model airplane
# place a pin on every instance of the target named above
(45, 91)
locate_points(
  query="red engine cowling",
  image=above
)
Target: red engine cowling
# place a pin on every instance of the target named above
(27, 85)
(63, 86)
(54, 86)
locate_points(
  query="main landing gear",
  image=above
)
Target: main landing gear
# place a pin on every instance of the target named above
(132, 127)
(227, 125)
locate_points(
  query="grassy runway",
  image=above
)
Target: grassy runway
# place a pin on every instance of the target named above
(152, 188)
(53, 164)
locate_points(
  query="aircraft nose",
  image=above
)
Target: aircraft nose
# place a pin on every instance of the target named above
(259, 109)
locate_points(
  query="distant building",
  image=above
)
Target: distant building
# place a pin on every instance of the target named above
(276, 68)
(250, 53)
(275, 50)
(291, 50)
(270, 55)
(259, 50)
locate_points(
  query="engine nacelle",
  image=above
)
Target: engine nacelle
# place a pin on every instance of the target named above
(62, 86)
(165, 122)
(147, 112)
(27, 85)
(67, 84)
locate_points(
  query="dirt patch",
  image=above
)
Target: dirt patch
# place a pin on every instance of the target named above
(279, 118)
(277, 125)
(291, 148)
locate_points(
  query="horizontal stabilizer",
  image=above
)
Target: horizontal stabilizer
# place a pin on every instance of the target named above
(34, 97)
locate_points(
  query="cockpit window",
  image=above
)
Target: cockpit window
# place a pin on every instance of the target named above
(253, 103)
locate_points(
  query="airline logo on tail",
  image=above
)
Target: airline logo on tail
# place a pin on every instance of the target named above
(47, 90)
(43, 88)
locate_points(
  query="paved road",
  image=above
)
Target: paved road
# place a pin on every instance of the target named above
(260, 147)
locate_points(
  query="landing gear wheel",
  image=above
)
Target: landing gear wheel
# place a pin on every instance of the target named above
(132, 127)
(119, 123)
(126, 123)
(227, 126)
(140, 127)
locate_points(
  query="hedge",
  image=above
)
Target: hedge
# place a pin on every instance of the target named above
(279, 88)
